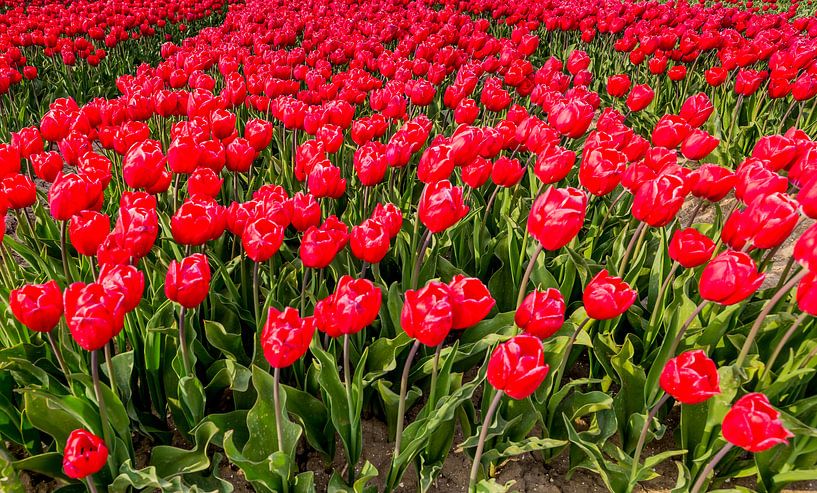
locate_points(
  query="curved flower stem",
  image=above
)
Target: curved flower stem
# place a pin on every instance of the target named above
(687, 323)
(58, 355)
(695, 212)
(633, 240)
(418, 262)
(91, 485)
(432, 395)
(780, 345)
(785, 274)
(610, 208)
(486, 423)
(363, 270)
(526, 277)
(401, 405)
(276, 397)
(643, 438)
(109, 364)
(64, 250)
(103, 413)
(662, 291)
(557, 375)
(490, 203)
(747, 345)
(183, 342)
(710, 466)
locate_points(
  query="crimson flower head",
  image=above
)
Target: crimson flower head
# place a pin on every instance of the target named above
(369, 241)
(712, 182)
(188, 282)
(753, 424)
(262, 238)
(199, 220)
(320, 245)
(286, 336)
(517, 366)
(730, 278)
(427, 313)
(470, 301)
(805, 249)
(690, 377)
(601, 169)
(126, 280)
(441, 206)
(553, 163)
(807, 294)
(670, 131)
(353, 306)
(618, 85)
(72, 193)
(37, 306)
(390, 216)
(697, 109)
(542, 313)
(507, 172)
(640, 97)
(84, 454)
(690, 248)
(93, 313)
(87, 230)
(607, 297)
(657, 201)
(557, 216)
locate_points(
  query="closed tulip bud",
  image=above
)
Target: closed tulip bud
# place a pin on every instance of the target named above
(427, 314)
(204, 181)
(262, 238)
(369, 241)
(698, 145)
(370, 163)
(471, 301)
(557, 216)
(607, 297)
(753, 424)
(712, 182)
(507, 172)
(553, 164)
(517, 366)
(84, 454)
(353, 306)
(729, 278)
(306, 211)
(37, 306)
(618, 85)
(542, 313)
(601, 169)
(87, 230)
(138, 228)
(640, 97)
(441, 206)
(239, 155)
(657, 202)
(690, 248)
(286, 336)
(319, 247)
(94, 314)
(183, 155)
(466, 112)
(188, 281)
(697, 109)
(677, 73)
(690, 378)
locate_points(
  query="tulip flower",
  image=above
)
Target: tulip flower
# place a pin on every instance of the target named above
(690, 248)
(87, 230)
(369, 241)
(751, 424)
(656, 202)
(729, 278)
(607, 297)
(85, 454)
(697, 109)
(542, 313)
(640, 97)
(470, 301)
(187, 283)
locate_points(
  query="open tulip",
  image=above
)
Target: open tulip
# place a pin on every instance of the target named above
(470, 301)
(84, 454)
(286, 336)
(517, 367)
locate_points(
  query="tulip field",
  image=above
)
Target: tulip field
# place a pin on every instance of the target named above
(408, 245)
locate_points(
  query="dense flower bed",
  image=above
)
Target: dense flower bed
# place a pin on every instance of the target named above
(560, 229)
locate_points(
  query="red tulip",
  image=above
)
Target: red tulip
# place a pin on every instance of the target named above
(690, 248)
(477, 172)
(239, 155)
(657, 202)
(286, 336)
(698, 145)
(607, 297)
(390, 216)
(670, 131)
(319, 246)
(427, 313)
(20, 191)
(143, 164)
(697, 109)
(805, 249)
(199, 220)
(470, 301)
(712, 182)
(542, 313)
(755, 180)
(188, 282)
(571, 118)
(690, 378)
(70, 194)
(716, 76)
(370, 163)
(618, 85)
(753, 424)
(258, 133)
(84, 454)
(807, 294)
(729, 278)
(137, 229)
(262, 238)
(507, 172)
(441, 206)
(94, 314)
(204, 181)
(87, 230)
(553, 164)
(640, 97)
(126, 280)
(306, 211)
(353, 306)
(325, 181)
(557, 216)
(517, 366)
(37, 306)
(369, 241)
(600, 170)
(47, 165)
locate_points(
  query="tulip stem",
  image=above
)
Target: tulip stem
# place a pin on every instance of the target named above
(483, 434)
(744, 351)
(568, 349)
(347, 383)
(695, 213)
(418, 262)
(490, 203)
(64, 250)
(625, 259)
(304, 280)
(363, 270)
(103, 413)
(643, 438)
(91, 485)
(682, 331)
(526, 277)
(610, 208)
(255, 295)
(660, 297)
(109, 364)
(785, 274)
(401, 405)
(432, 395)
(780, 345)
(710, 466)
(276, 397)
(58, 356)
(183, 343)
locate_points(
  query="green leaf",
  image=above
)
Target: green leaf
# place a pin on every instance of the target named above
(170, 461)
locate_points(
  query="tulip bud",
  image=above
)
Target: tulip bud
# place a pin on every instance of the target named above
(542, 313)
